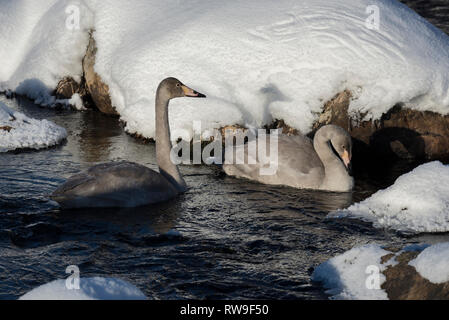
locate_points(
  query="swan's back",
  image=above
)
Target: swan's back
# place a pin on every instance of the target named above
(298, 164)
(115, 184)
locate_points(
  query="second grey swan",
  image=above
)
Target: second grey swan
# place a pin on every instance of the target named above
(321, 164)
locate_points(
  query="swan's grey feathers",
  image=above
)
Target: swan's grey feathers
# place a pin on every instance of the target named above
(116, 184)
(128, 184)
(298, 164)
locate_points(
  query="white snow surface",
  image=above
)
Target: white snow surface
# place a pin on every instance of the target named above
(255, 60)
(417, 202)
(37, 49)
(26, 132)
(345, 276)
(433, 263)
(96, 288)
(76, 102)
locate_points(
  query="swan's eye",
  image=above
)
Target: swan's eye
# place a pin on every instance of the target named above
(178, 84)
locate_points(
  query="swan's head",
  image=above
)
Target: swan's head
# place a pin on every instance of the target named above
(338, 140)
(173, 88)
(341, 144)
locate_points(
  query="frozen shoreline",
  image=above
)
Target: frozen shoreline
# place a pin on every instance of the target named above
(416, 202)
(257, 64)
(17, 131)
(372, 272)
(96, 288)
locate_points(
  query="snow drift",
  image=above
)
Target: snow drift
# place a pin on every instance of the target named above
(416, 202)
(433, 263)
(256, 61)
(37, 49)
(96, 288)
(350, 275)
(345, 276)
(17, 131)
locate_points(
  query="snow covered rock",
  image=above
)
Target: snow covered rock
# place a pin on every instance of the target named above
(98, 90)
(416, 202)
(39, 47)
(257, 62)
(400, 133)
(373, 272)
(433, 263)
(66, 88)
(346, 277)
(419, 273)
(96, 288)
(17, 131)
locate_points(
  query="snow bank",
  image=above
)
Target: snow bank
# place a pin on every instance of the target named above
(37, 49)
(90, 289)
(76, 102)
(17, 131)
(433, 263)
(256, 61)
(417, 202)
(347, 276)
(352, 274)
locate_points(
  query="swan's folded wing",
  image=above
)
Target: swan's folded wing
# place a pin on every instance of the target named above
(114, 184)
(294, 164)
(298, 164)
(298, 153)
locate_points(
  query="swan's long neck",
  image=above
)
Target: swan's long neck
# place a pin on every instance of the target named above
(336, 177)
(163, 144)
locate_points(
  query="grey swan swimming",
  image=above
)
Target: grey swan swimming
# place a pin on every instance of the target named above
(128, 184)
(321, 164)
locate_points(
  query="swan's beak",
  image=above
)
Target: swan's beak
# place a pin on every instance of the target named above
(347, 161)
(188, 92)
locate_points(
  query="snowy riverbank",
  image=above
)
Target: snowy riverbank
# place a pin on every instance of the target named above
(17, 131)
(371, 272)
(416, 202)
(96, 288)
(256, 62)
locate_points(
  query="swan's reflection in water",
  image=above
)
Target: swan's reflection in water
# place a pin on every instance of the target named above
(105, 141)
(153, 219)
(278, 197)
(95, 144)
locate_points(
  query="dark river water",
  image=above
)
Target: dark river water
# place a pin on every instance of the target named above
(435, 11)
(225, 238)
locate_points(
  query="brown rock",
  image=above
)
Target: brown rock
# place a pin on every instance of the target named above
(335, 111)
(286, 129)
(400, 133)
(403, 282)
(6, 128)
(66, 88)
(233, 131)
(98, 90)
(387, 258)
